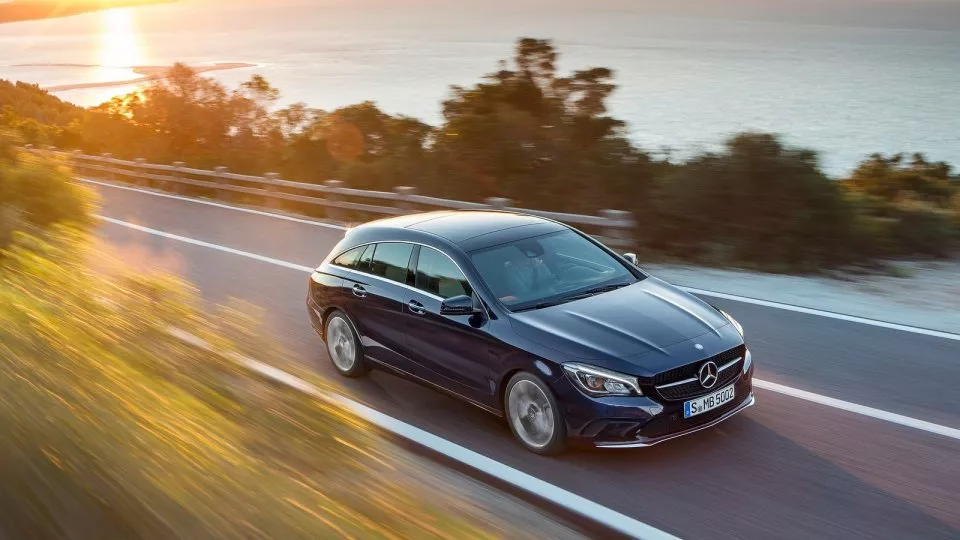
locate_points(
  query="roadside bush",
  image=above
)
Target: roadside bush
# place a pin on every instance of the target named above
(758, 203)
(894, 178)
(914, 200)
(921, 230)
(37, 192)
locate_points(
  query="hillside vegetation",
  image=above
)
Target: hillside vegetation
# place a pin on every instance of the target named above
(544, 139)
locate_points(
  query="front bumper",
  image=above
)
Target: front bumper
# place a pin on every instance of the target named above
(642, 441)
(636, 422)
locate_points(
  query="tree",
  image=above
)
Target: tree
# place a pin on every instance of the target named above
(532, 135)
(361, 145)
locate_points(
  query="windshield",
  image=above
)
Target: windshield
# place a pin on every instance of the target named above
(548, 270)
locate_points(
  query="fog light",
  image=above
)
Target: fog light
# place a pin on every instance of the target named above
(747, 361)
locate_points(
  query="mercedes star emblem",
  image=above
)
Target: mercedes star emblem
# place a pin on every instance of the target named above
(708, 375)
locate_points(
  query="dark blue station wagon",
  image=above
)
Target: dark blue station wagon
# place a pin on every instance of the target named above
(533, 321)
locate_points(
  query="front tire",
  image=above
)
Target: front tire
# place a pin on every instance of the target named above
(533, 415)
(343, 345)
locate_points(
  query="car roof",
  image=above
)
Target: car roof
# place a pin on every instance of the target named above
(471, 229)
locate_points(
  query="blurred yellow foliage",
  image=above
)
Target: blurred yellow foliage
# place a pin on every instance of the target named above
(112, 428)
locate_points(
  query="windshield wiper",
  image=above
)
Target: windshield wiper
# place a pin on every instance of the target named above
(578, 296)
(542, 305)
(595, 291)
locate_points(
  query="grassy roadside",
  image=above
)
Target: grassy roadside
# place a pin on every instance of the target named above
(114, 429)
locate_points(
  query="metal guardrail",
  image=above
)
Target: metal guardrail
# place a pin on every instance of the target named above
(339, 203)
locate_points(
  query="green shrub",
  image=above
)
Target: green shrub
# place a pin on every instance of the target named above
(766, 204)
(922, 230)
(894, 178)
(38, 192)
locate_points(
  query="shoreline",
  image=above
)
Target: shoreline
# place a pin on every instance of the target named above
(147, 74)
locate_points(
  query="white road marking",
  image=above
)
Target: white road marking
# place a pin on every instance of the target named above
(217, 205)
(821, 313)
(786, 390)
(201, 243)
(519, 479)
(704, 292)
(893, 418)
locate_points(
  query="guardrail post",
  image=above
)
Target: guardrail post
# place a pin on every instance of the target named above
(107, 174)
(498, 203)
(137, 179)
(271, 201)
(222, 193)
(333, 212)
(619, 228)
(176, 175)
(403, 201)
(75, 162)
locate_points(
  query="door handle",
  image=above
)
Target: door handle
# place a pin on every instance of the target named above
(416, 307)
(359, 291)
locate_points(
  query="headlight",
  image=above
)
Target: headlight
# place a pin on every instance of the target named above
(733, 322)
(601, 382)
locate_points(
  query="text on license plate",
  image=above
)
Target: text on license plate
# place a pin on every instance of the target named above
(707, 402)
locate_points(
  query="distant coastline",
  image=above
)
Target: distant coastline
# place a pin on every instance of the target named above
(148, 73)
(31, 10)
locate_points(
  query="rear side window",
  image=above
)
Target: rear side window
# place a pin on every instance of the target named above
(349, 259)
(363, 265)
(437, 274)
(392, 260)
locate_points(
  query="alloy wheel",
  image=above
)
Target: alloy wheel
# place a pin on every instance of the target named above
(531, 414)
(341, 344)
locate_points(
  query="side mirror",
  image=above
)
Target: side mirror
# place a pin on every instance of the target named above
(458, 305)
(631, 258)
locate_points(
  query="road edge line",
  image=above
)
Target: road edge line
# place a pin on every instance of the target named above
(862, 410)
(823, 313)
(254, 211)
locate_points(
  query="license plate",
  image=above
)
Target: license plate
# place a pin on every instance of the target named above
(707, 402)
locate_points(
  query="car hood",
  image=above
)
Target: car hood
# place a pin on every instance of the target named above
(635, 329)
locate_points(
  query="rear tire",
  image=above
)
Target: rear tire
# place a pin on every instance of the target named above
(533, 415)
(343, 345)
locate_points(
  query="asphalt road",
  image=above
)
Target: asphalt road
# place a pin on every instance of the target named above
(785, 468)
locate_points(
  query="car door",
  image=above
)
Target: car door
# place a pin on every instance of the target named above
(453, 349)
(374, 291)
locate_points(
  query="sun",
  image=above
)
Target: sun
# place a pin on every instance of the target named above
(119, 43)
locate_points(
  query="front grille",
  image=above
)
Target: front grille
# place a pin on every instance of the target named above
(693, 388)
(690, 370)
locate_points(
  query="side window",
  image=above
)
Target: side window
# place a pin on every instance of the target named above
(363, 265)
(391, 260)
(350, 258)
(438, 274)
